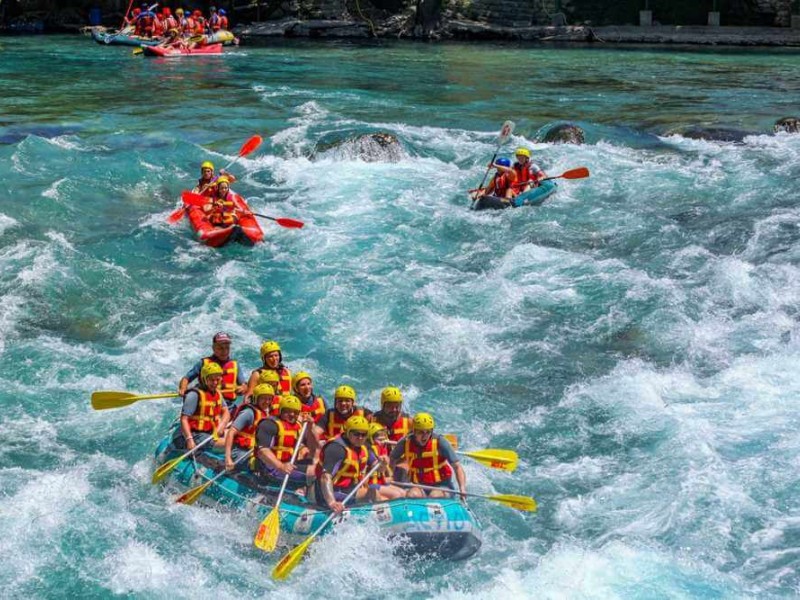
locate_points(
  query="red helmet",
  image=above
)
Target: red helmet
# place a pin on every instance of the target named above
(167, 11)
(137, 11)
(197, 13)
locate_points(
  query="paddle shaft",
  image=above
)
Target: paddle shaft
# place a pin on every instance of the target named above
(438, 489)
(500, 141)
(347, 499)
(291, 462)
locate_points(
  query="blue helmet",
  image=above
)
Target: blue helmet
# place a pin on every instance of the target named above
(503, 162)
(222, 12)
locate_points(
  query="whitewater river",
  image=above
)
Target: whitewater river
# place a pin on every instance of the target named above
(635, 339)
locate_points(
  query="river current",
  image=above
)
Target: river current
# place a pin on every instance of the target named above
(635, 338)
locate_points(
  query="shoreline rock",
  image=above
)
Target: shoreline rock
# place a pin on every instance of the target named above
(466, 30)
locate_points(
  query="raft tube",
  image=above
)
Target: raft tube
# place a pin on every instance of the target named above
(121, 39)
(246, 232)
(224, 37)
(440, 527)
(533, 197)
(168, 52)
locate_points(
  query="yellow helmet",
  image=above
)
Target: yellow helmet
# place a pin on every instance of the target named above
(269, 346)
(207, 165)
(424, 422)
(391, 394)
(290, 403)
(375, 428)
(268, 376)
(208, 370)
(356, 423)
(263, 389)
(223, 179)
(522, 152)
(345, 392)
(298, 377)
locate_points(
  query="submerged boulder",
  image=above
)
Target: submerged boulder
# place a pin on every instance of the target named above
(787, 124)
(565, 133)
(369, 147)
(714, 134)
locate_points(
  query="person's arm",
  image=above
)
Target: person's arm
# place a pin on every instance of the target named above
(224, 420)
(187, 432)
(448, 454)
(332, 457)
(229, 447)
(193, 374)
(461, 478)
(251, 384)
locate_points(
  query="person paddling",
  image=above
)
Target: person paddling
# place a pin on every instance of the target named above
(391, 415)
(427, 458)
(221, 208)
(502, 183)
(276, 439)
(527, 173)
(302, 387)
(344, 406)
(382, 481)
(272, 360)
(205, 185)
(203, 413)
(344, 462)
(242, 432)
(232, 380)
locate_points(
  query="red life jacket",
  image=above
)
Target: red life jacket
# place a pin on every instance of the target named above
(285, 383)
(285, 440)
(223, 23)
(316, 407)
(230, 373)
(209, 409)
(214, 22)
(425, 465)
(379, 451)
(188, 25)
(524, 175)
(158, 27)
(199, 26)
(336, 423)
(170, 23)
(351, 469)
(397, 430)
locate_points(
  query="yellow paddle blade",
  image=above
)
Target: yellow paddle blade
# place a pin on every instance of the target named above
(106, 399)
(137, 51)
(287, 564)
(505, 460)
(193, 494)
(525, 503)
(267, 536)
(165, 469)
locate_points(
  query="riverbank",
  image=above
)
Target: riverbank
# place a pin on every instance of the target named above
(397, 27)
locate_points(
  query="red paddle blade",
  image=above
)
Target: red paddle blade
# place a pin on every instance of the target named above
(176, 216)
(290, 223)
(193, 199)
(250, 145)
(578, 173)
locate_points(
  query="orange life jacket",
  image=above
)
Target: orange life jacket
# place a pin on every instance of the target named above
(223, 211)
(524, 175)
(158, 27)
(214, 22)
(188, 25)
(246, 438)
(199, 26)
(230, 374)
(316, 407)
(285, 440)
(397, 430)
(426, 465)
(351, 469)
(336, 423)
(170, 23)
(500, 184)
(209, 409)
(223, 22)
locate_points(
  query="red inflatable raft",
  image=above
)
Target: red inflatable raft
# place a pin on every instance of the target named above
(169, 52)
(247, 231)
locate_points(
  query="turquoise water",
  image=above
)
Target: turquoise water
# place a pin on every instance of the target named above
(635, 339)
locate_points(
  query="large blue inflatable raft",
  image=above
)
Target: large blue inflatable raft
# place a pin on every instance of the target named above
(442, 527)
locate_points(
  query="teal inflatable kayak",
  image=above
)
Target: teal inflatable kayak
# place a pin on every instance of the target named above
(533, 197)
(442, 527)
(122, 39)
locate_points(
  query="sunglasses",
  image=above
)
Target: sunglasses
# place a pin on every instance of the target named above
(359, 433)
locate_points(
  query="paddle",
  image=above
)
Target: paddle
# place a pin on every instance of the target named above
(193, 199)
(270, 529)
(105, 400)
(167, 467)
(504, 460)
(578, 173)
(287, 564)
(250, 145)
(505, 132)
(193, 494)
(525, 503)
